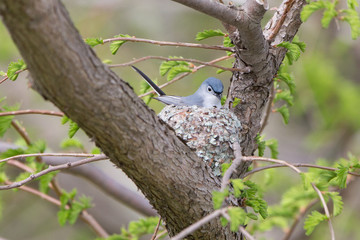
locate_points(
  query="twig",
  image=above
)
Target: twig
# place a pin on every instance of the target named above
(234, 165)
(298, 217)
(50, 154)
(263, 159)
(156, 229)
(32, 111)
(21, 131)
(266, 116)
(187, 73)
(166, 43)
(160, 235)
(246, 233)
(53, 168)
(193, 227)
(178, 59)
(327, 213)
(17, 72)
(20, 165)
(296, 165)
(85, 216)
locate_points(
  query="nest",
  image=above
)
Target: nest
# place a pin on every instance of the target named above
(211, 132)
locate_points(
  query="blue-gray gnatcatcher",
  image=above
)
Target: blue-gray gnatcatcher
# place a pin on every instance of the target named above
(208, 95)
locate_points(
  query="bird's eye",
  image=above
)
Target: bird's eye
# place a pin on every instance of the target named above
(209, 89)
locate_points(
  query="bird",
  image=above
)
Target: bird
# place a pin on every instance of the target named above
(208, 94)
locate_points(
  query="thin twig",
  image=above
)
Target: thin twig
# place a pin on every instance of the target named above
(156, 229)
(266, 116)
(296, 165)
(187, 73)
(21, 131)
(179, 59)
(246, 233)
(193, 227)
(234, 165)
(54, 168)
(326, 209)
(49, 154)
(298, 217)
(166, 43)
(160, 235)
(32, 111)
(263, 159)
(17, 72)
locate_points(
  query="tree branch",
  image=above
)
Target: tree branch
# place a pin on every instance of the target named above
(32, 111)
(52, 169)
(166, 43)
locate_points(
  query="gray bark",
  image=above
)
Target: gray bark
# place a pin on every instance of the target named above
(66, 72)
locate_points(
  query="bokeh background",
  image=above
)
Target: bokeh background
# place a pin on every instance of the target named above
(324, 121)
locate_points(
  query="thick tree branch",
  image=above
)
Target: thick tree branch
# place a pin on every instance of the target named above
(66, 71)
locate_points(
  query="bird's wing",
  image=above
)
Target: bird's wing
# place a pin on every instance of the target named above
(150, 82)
(174, 100)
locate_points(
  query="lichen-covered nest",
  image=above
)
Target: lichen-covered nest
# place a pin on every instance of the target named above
(209, 131)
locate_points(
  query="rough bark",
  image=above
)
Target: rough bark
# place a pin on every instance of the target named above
(66, 72)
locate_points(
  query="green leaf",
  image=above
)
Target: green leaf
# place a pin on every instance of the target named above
(177, 70)
(286, 96)
(92, 42)
(22, 176)
(312, 221)
(352, 17)
(238, 186)
(71, 142)
(167, 66)
(286, 77)
(305, 180)
(75, 210)
(14, 67)
(73, 128)
(329, 13)
(237, 218)
(115, 45)
(63, 215)
(224, 167)
(64, 119)
(261, 145)
(2, 73)
(219, 197)
(236, 101)
(95, 150)
(37, 147)
(223, 100)
(12, 152)
(208, 33)
(284, 111)
(252, 216)
(5, 124)
(220, 71)
(299, 43)
(341, 177)
(337, 203)
(223, 221)
(272, 144)
(45, 180)
(293, 52)
(310, 9)
(227, 42)
(3, 178)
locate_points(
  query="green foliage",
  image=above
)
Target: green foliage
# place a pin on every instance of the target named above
(338, 204)
(285, 96)
(144, 88)
(173, 68)
(3, 178)
(224, 167)
(92, 42)
(73, 127)
(5, 121)
(208, 33)
(238, 186)
(219, 197)
(45, 180)
(312, 221)
(95, 150)
(284, 111)
(115, 45)
(294, 50)
(71, 143)
(237, 218)
(70, 208)
(14, 67)
(136, 229)
(272, 144)
(352, 17)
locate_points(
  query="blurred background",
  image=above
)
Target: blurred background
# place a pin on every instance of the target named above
(324, 121)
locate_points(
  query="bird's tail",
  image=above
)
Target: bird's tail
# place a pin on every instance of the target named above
(150, 82)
